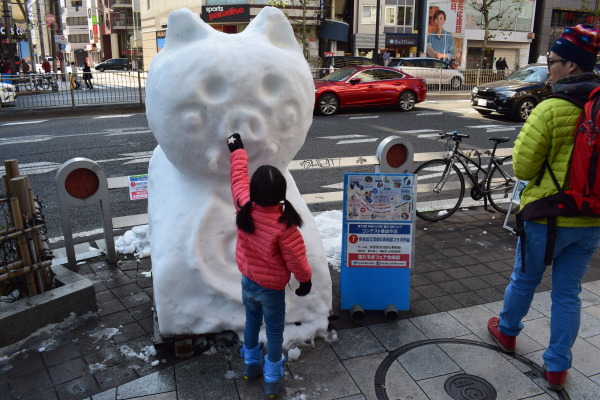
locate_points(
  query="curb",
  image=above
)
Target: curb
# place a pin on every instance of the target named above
(7, 114)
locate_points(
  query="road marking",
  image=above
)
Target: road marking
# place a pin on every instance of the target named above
(25, 139)
(25, 122)
(429, 113)
(76, 235)
(341, 137)
(420, 131)
(357, 141)
(334, 186)
(366, 117)
(35, 168)
(426, 135)
(113, 116)
(123, 132)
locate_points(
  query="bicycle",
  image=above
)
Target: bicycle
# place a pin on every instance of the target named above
(441, 183)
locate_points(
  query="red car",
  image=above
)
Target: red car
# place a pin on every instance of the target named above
(368, 86)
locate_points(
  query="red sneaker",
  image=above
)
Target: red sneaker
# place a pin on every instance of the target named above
(508, 343)
(556, 380)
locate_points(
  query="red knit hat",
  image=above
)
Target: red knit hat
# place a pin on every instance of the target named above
(579, 44)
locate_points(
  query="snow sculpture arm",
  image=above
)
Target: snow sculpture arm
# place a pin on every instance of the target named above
(240, 182)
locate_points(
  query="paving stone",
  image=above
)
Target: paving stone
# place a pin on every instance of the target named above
(61, 354)
(495, 279)
(67, 371)
(459, 273)
(468, 299)
(441, 325)
(79, 388)
(356, 343)
(136, 299)
(423, 307)
(397, 334)
(589, 298)
(427, 361)
(434, 387)
(580, 387)
(474, 282)
(202, 378)
(397, 383)
(158, 382)
(108, 378)
(126, 290)
(25, 363)
(429, 291)
(452, 287)
(322, 372)
(110, 307)
(29, 383)
(128, 332)
(590, 326)
(593, 287)
(47, 394)
(445, 303)
(586, 357)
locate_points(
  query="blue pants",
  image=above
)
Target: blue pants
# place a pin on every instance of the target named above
(268, 303)
(572, 253)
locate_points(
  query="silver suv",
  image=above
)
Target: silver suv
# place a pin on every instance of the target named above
(434, 71)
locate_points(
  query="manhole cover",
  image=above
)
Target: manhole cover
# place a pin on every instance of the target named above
(469, 387)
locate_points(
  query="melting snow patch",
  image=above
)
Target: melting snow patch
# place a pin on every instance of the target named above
(294, 354)
(134, 241)
(145, 354)
(146, 274)
(229, 375)
(329, 224)
(105, 333)
(96, 367)
(331, 336)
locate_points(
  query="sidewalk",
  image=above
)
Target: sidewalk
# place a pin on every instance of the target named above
(461, 268)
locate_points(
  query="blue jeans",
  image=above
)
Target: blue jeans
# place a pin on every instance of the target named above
(572, 253)
(268, 303)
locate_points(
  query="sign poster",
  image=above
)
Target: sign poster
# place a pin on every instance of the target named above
(138, 187)
(379, 213)
(445, 30)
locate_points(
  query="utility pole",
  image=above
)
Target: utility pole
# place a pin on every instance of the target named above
(376, 48)
(40, 32)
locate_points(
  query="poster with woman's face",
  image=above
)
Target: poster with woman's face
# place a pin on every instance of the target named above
(445, 30)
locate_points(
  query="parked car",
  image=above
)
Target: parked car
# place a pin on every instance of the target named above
(515, 96)
(8, 94)
(121, 64)
(363, 86)
(343, 61)
(434, 71)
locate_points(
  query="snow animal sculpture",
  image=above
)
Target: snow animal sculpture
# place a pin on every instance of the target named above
(203, 86)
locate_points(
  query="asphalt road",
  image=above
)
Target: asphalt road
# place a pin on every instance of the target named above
(122, 145)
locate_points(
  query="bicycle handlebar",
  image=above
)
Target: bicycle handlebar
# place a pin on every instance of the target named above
(454, 135)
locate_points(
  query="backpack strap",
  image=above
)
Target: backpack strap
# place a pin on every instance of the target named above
(520, 231)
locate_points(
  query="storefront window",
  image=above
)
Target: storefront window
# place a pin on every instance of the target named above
(369, 15)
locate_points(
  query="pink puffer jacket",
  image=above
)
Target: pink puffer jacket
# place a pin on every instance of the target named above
(270, 254)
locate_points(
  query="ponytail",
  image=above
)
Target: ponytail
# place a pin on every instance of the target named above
(290, 216)
(243, 218)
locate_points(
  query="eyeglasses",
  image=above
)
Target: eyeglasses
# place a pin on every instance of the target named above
(552, 62)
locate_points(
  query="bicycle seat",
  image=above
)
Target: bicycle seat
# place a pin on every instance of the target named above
(500, 139)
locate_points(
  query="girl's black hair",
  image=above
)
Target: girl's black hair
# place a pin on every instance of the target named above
(267, 188)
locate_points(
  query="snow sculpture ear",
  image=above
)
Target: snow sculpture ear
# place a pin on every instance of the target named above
(184, 26)
(271, 23)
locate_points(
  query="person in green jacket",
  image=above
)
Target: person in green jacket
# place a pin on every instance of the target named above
(548, 134)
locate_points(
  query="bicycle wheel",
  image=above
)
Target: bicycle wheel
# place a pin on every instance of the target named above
(500, 185)
(440, 190)
(42, 84)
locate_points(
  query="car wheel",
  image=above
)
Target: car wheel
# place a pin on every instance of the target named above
(484, 112)
(524, 108)
(455, 82)
(328, 104)
(101, 69)
(407, 101)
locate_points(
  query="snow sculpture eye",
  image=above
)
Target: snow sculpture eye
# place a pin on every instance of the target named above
(272, 86)
(216, 89)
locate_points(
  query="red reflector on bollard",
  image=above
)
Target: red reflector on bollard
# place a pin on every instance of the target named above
(396, 155)
(82, 183)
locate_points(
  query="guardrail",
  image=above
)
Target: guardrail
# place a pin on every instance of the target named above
(56, 90)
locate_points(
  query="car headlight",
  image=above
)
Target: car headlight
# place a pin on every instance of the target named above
(507, 93)
(474, 91)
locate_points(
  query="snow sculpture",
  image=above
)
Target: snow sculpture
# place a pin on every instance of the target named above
(203, 86)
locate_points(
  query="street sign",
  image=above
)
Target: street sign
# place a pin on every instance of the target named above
(50, 18)
(60, 39)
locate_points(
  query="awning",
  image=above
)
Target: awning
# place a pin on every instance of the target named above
(334, 30)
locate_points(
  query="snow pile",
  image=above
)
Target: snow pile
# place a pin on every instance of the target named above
(144, 355)
(190, 211)
(294, 354)
(135, 241)
(329, 224)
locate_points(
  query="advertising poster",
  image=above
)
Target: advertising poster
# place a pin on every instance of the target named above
(377, 240)
(138, 187)
(379, 212)
(445, 30)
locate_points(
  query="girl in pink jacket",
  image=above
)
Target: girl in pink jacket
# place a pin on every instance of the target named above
(269, 249)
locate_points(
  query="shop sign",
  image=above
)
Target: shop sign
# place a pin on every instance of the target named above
(13, 31)
(161, 34)
(401, 39)
(226, 13)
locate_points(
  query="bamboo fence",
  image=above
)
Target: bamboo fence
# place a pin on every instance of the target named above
(25, 256)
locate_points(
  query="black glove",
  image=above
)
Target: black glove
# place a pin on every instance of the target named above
(234, 142)
(304, 288)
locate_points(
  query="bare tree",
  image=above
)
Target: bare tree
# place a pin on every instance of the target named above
(301, 14)
(496, 15)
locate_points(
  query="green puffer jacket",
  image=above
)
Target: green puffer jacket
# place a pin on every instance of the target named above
(548, 133)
